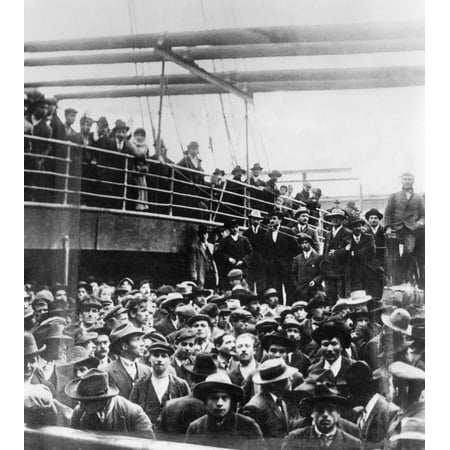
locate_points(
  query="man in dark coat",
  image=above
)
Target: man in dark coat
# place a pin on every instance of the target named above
(155, 389)
(373, 218)
(267, 407)
(126, 341)
(233, 197)
(302, 227)
(305, 271)
(280, 247)
(169, 323)
(256, 236)
(234, 250)
(333, 266)
(303, 196)
(257, 188)
(324, 406)
(101, 409)
(405, 216)
(221, 426)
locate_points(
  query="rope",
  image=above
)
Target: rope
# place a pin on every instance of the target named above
(175, 122)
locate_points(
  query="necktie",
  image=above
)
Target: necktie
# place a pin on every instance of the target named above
(325, 440)
(280, 405)
(362, 419)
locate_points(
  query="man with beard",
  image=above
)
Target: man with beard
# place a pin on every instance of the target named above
(221, 426)
(202, 326)
(302, 227)
(155, 389)
(226, 350)
(245, 353)
(306, 273)
(184, 347)
(126, 341)
(324, 406)
(256, 235)
(333, 337)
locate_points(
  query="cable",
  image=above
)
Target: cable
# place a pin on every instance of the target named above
(175, 122)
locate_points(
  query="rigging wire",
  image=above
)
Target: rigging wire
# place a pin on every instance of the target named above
(172, 113)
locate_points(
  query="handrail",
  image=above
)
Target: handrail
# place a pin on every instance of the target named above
(204, 192)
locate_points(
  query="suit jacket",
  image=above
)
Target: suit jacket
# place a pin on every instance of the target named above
(202, 264)
(307, 439)
(310, 232)
(143, 394)
(119, 376)
(240, 250)
(401, 212)
(280, 253)
(377, 424)
(165, 326)
(335, 266)
(177, 415)
(300, 361)
(256, 241)
(380, 243)
(122, 416)
(236, 431)
(303, 271)
(346, 363)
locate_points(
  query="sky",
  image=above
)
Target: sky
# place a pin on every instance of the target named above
(378, 133)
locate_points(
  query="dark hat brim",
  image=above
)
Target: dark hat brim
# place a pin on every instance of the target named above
(339, 401)
(270, 339)
(38, 351)
(202, 389)
(324, 331)
(386, 319)
(373, 212)
(72, 386)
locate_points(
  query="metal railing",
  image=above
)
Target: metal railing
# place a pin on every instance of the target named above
(68, 173)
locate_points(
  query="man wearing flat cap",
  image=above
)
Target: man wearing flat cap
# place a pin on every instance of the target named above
(221, 426)
(325, 408)
(102, 409)
(305, 271)
(155, 389)
(126, 342)
(184, 341)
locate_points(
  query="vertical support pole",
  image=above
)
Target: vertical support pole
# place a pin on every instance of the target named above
(247, 162)
(66, 259)
(66, 178)
(361, 199)
(125, 186)
(162, 86)
(172, 185)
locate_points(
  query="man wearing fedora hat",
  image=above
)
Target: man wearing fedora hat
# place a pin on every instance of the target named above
(334, 252)
(156, 388)
(179, 413)
(256, 235)
(126, 342)
(373, 218)
(169, 323)
(302, 226)
(280, 247)
(102, 409)
(325, 406)
(256, 190)
(305, 271)
(267, 407)
(202, 326)
(221, 426)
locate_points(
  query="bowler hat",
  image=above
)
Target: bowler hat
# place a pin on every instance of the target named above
(70, 111)
(102, 122)
(218, 382)
(331, 329)
(355, 221)
(336, 213)
(198, 318)
(219, 172)
(92, 385)
(30, 347)
(237, 169)
(275, 173)
(172, 300)
(359, 372)
(256, 166)
(399, 321)
(273, 370)
(161, 347)
(301, 210)
(275, 212)
(255, 214)
(193, 144)
(277, 338)
(231, 224)
(373, 212)
(120, 125)
(204, 365)
(324, 393)
(124, 330)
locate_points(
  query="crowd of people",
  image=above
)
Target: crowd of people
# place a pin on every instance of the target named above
(278, 341)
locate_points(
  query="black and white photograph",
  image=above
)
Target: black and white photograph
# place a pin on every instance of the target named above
(224, 224)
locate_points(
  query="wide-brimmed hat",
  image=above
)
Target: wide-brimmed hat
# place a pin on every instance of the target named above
(411, 429)
(330, 329)
(83, 338)
(172, 299)
(79, 356)
(204, 365)
(256, 166)
(120, 125)
(275, 173)
(324, 393)
(399, 321)
(373, 212)
(301, 210)
(336, 213)
(304, 237)
(235, 274)
(273, 370)
(255, 214)
(237, 169)
(30, 347)
(247, 297)
(405, 371)
(198, 318)
(92, 385)
(318, 375)
(275, 212)
(124, 330)
(355, 221)
(218, 382)
(277, 338)
(359, 372)
(318, 301)
(50, 331)
(358, 298)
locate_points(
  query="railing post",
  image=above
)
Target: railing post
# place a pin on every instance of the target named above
(66, 178)
(125, 187)
(172, 183)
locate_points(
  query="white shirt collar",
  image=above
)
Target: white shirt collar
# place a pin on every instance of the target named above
(335, 367)
(370, 405)
(374, 230)
(328, 435)
(335, 230)
(234, 237)
(356, 238)
(307, 254)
